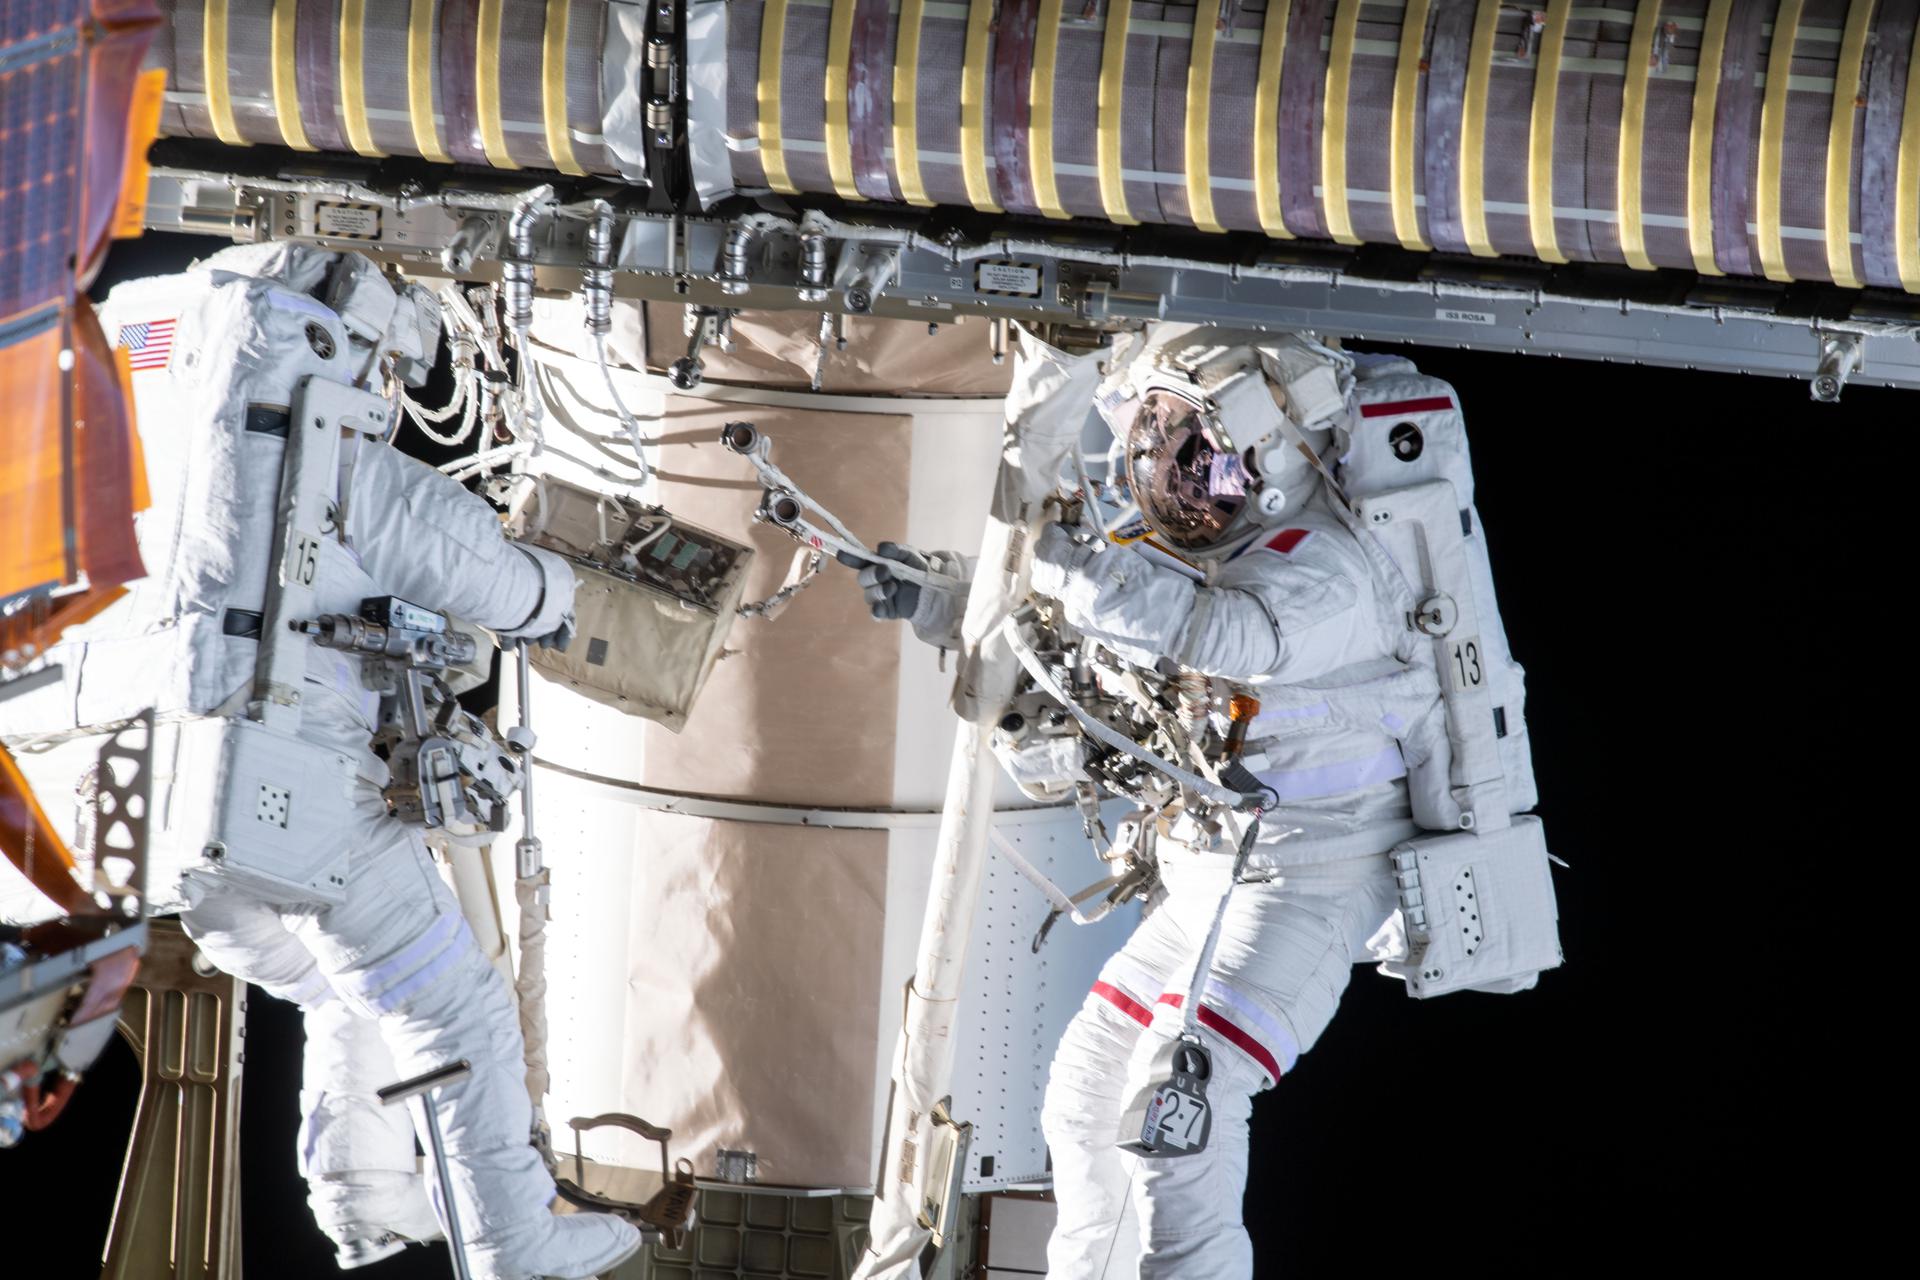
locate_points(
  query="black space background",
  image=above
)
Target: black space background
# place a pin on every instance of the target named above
(1687, 577)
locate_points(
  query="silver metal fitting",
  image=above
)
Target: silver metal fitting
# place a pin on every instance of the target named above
(660, 122)
(781, 508)
(465, 245)
(814, 267)
(1839, 361)
(516, 266)
(596, 280)
(736, 258)
(873, 268)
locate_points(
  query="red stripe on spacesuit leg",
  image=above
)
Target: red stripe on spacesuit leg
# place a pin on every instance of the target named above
(1123, 1002)
(1388, 407)
(1218, 1022)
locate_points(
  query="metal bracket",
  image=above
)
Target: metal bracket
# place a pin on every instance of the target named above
(667, 1215)
(947, 1169)
(705, 325)
(177, 1214)
(866, 269)
(1840, 358)
(121, 804)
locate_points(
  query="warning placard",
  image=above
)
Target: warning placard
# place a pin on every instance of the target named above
(1007, 279)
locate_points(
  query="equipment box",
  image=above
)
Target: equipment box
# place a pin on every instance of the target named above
(655, 602)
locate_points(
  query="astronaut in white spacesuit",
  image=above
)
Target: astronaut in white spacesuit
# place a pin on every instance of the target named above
(1268, 588)
(390, 979)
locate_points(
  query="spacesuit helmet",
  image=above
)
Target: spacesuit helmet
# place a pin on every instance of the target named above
(1202, 419)
(1189, 482)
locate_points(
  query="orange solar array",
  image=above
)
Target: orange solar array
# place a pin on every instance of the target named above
(68, 460)
(67, 73)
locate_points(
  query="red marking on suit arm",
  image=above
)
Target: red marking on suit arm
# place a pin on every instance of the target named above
(1387, 408)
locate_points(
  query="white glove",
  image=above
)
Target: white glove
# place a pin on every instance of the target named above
(934, 613)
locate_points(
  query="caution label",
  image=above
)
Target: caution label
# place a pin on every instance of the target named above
(1007, 279)
(346, 221)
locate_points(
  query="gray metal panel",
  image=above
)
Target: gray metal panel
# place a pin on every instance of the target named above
(1081, 283)
(1017, 1228)
(1018, 1005)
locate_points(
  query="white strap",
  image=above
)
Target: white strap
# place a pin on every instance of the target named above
(841, 538)
(1068, 905)
(1196, 987)
(1290, 431)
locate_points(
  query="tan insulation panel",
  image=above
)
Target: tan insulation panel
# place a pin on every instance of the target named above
(882, 357)
(800, 709)
(755, 975)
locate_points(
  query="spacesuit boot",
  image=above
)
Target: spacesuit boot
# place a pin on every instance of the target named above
(572, 1246)
(399, 950)
(357, 1155)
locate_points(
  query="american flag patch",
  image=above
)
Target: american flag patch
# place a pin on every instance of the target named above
(148, 344)
(1288, 540)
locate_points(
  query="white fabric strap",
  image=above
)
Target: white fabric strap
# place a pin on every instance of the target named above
(1196, 987)
(382, 988)
(312, 993)
(1068, 905)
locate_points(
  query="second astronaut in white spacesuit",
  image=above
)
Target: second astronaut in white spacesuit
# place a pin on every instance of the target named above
(390, 979)
(1277, 596)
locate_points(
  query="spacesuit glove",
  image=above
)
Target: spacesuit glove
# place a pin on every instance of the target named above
(1059, 559)
(1112, 593)
(560, 637)
(934, 614)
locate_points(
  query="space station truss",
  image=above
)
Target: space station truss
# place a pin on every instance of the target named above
(1691, 183)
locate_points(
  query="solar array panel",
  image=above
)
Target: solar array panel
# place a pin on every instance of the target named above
(67, 70)
(42, 93)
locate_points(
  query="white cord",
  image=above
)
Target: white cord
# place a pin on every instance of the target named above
(627, 422)
(465, 402)
(1065, 903)
(1196, 988)
(467, 468)
(525, 398)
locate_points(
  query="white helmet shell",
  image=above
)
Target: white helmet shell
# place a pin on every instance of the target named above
(1241, 387)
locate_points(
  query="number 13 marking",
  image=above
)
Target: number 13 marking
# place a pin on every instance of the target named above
(1466, 671)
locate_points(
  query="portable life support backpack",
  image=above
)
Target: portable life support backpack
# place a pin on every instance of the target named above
(1477, 902)
(1404, 463)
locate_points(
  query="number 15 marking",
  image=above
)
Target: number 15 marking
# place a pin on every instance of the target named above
(303, 560)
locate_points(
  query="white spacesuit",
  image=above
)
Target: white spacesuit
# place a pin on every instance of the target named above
(390, 978)
(1243, 567)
